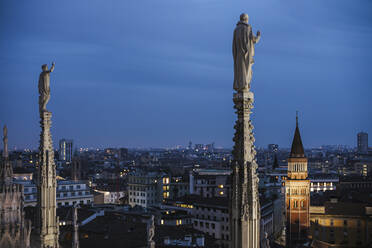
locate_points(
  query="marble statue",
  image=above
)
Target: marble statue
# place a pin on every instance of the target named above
(243, 52)
(150, 229)
(44, 87)
(266, 241)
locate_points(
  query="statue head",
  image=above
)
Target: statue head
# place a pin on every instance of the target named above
(244, 18)
(44, 67)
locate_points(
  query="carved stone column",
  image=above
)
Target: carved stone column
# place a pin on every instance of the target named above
(244, 203)
(46, 186)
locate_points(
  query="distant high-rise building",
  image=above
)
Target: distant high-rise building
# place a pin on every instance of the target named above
(122, 153)
(65, 150)
(190, 145)
(210, 147)
(362, 142)
(199, 147)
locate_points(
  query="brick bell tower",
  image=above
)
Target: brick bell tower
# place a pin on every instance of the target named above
(297, 197)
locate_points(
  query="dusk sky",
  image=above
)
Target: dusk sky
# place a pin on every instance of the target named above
(159, 73)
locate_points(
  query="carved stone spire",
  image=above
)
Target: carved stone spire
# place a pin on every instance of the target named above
(47, 220)
(75, 240)
(14, 229)
(244, 204)
(6, 170)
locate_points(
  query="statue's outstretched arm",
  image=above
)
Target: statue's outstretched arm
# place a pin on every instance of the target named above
(52, 67)
(257, 38)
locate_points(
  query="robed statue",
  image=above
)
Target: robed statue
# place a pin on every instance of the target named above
(44, 87)
(150, 231)
(243, 52)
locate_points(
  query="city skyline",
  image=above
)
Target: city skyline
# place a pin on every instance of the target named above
(171, 82)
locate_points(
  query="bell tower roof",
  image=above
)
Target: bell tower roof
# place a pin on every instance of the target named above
(297, 150)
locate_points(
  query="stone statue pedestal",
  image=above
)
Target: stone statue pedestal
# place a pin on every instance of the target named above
(244, 205)
(151, 244)
(244, 94)
(47, 220)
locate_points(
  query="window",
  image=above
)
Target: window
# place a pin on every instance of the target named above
(213, 225)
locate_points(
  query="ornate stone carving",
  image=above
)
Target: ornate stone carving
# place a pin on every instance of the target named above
(47, 220)
(245, 207)
(14, 229)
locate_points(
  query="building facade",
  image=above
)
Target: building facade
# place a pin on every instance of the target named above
(147, 188)
(341, 224)
(65, 150)
(68, 193)
(209, 182)
(362, 142)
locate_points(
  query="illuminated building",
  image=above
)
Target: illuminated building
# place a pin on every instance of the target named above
(147, 188)
(297, 195)
(65, 150)
(209, 182)
(341, 222)
(68, 193)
